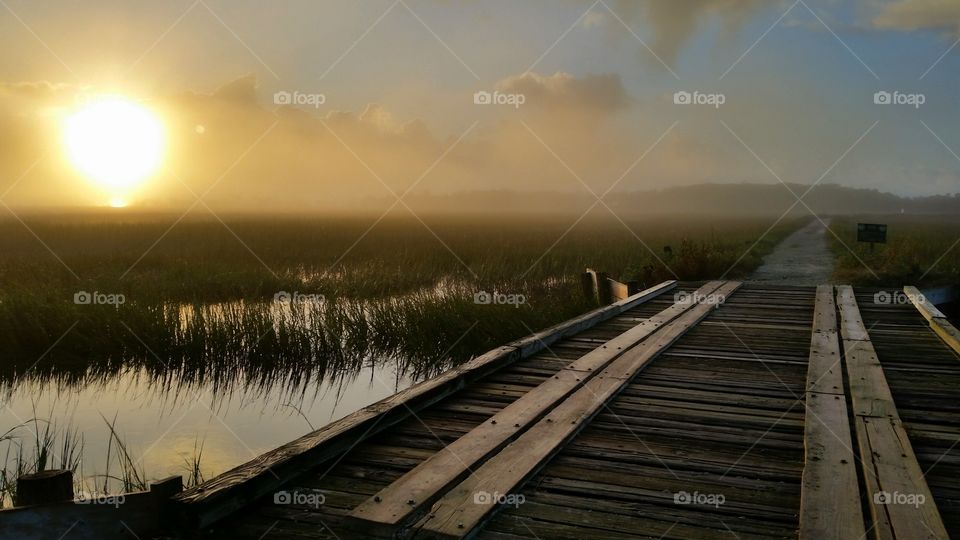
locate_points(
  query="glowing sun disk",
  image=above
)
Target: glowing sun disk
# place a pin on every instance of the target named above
(117, 143)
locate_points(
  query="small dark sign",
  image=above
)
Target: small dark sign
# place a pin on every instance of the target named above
(872, 232)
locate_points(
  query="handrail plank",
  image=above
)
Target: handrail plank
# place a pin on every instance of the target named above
(938, 321)
(404, 500)
(231, 491)
(924, 306)
(830, 495)
(461, 510)
(892, 475)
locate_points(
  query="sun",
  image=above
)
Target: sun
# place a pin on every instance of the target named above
(116, 142)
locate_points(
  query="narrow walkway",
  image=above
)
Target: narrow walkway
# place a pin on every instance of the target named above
(803, 258)
(766, 415)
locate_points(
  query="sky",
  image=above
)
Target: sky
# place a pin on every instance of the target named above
(388, 96)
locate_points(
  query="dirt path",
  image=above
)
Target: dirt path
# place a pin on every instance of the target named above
(803, 258)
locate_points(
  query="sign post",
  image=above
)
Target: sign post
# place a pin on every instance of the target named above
(875, 233)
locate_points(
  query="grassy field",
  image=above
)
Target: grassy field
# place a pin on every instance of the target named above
(920, 250)
(198, 294)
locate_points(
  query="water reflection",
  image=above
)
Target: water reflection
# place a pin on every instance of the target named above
(235, 378)
(162, 430)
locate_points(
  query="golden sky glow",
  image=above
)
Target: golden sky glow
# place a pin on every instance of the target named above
(328, 105)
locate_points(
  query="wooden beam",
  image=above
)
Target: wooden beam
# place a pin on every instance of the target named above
(97, 517)
(229, 492)
(829, 495)
(407, 498)
(604, 289)
(466, 506)
(45, 487)
(938, 321)
(901, 505)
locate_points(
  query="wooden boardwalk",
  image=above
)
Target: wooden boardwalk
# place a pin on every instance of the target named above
(691, 410)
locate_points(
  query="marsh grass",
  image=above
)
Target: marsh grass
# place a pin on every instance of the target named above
(398, 293)
(200, 311)
(37, 445)
(920, 250)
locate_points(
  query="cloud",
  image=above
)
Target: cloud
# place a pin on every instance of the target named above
(675, 22)
(595, 19)
(910, 15)
(251, 154)
(603, 94)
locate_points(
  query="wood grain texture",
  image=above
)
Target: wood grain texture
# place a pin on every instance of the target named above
(893, 477)
(406, 499)
(463, 508)
(830, 495)
(238, 487)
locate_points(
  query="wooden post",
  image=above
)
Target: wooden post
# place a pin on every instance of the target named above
(45, 487)
(603, 289)
(162, 492)
(600, 287)
(586, 283)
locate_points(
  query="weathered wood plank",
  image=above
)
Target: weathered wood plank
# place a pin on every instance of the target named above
(824, 372)
(924, 306)
(938, 321)
(830, 496)
(947, 332)
(901, 505)
(405, 500)
(142, 514)
(234, 489)
(851, 324)
(464, 507)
